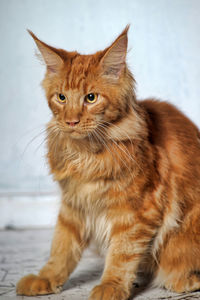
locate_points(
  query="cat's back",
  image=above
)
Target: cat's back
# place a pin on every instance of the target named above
(169, 129)
(166, 123)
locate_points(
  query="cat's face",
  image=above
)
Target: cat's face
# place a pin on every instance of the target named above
(86, 93)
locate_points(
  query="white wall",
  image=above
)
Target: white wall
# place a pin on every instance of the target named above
(165, 44)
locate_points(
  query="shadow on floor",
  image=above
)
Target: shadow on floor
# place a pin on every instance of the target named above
(84, 276)
(143, 281)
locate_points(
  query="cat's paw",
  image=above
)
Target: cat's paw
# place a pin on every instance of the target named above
(108, 291)
(32, 285)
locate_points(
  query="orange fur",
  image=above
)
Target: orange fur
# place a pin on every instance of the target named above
(129, 172)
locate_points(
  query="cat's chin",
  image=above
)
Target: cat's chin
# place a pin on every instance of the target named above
(78, 135)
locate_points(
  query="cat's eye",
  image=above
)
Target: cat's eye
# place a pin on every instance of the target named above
(91, 98)
(61, 98)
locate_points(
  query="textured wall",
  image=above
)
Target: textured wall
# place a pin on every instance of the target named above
(164, 40)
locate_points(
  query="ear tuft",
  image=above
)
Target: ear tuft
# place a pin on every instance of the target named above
(52, 59)
(114, 59)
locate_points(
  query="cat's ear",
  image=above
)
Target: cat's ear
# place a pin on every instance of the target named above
(50, 55)
(114, 59)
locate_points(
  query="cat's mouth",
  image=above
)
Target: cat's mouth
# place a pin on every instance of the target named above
(77, 133)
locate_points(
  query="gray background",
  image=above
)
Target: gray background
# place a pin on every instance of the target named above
(164, 43)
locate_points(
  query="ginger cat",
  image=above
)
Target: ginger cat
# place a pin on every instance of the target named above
(129, 172)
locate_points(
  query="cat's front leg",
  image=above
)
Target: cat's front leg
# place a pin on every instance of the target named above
(67, 247)
(127, 248)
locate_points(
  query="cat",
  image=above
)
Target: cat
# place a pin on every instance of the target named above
(129, 172)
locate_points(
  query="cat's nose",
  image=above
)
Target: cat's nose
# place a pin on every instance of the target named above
(72, 122)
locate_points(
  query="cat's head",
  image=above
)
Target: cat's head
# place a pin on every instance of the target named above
(87, 93)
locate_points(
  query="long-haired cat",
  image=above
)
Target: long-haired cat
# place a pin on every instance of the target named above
(129, 172)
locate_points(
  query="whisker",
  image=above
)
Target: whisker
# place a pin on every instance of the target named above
(117, 155)
(33, 139)
(126, 151)
(98, 137)
(42, 143)
(103, 142)
(123, 150)
(118, 129)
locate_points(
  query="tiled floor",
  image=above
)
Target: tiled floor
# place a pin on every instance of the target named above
(23, 252)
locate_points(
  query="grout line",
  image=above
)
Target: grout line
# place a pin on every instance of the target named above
(6, 292)
(5, 274)
(27, 228)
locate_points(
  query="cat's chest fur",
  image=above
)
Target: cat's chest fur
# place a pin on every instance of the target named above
(85, 195)
(90, 200)
(89, 184)
(85, 166)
